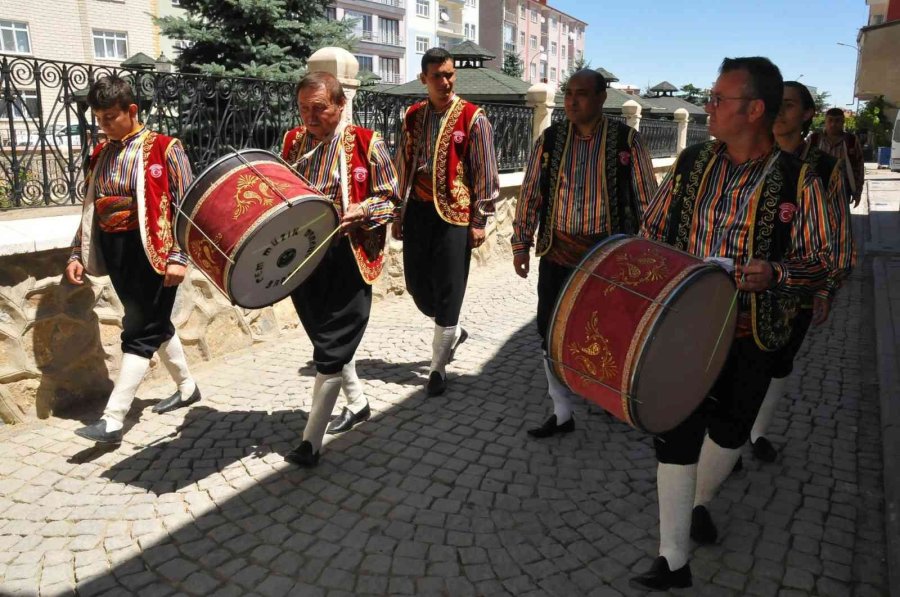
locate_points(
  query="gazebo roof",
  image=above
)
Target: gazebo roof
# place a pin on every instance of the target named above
(472, 83)
(140, 60)
(664, 86)
(610, 78)
(469, 49)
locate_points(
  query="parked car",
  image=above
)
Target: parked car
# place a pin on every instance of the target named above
(23, 140)
(74, 135)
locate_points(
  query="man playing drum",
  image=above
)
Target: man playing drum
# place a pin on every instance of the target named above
(351, 166)
(740, 199)
(448, 171)
(791, 126)
(135, 181)
(564, 199)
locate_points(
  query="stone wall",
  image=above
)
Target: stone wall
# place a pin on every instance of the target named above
(59, 343)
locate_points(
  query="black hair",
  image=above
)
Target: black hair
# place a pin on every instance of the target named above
(435, 56)
(599, 80)
(834, 112)
(765, 83)
(806, 100)
(110, 92)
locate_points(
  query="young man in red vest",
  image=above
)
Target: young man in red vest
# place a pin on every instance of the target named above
(351, 166)
(843, 147)
(135, 181)
(448, 173)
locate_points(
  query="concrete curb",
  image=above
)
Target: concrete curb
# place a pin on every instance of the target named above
(889, 395)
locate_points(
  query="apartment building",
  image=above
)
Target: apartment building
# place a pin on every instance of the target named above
(877, 46)
(547, 40)
(379, 26)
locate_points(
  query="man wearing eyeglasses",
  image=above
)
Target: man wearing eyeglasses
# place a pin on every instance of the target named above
(742, 200)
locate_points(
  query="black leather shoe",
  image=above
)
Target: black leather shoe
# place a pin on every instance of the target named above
(551, 428)
(703, 529)
(739, 465)
(303, 455)
(660, 578)
(174, 401)
(437, 384)
(463, 336)
(764, 450)
(346, 420)
(98, 433)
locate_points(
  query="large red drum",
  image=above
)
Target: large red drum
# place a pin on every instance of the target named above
(248, 221)
(643, 330)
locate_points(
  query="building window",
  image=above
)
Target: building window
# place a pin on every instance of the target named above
(365, 63)
(522, 39)
(552, 73)
(565, 28)
(472, 3)
(14, 37)
(533, 41)
(563, 52)
(331, 13)
(470, 32)
(110, 45)
(176, 3)
(390, 31)
(390, 70)
(533, 72)
(553, 23)
(422, 44)
(553, 46)
(521, 11)
(423, 8)
(25, 105)
(534, 16)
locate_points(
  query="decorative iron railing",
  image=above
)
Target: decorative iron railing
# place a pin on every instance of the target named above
(660, 137)
(46, 127)
(559, 114)
(697, 133)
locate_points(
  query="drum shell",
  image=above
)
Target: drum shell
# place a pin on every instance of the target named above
(228, 204)
(602, 333)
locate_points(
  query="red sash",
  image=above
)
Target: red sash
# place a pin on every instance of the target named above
(367, 245)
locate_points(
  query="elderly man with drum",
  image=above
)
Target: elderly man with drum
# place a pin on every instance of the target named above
(744, 202)
(588, 177)
(351, 166)
(135, 181)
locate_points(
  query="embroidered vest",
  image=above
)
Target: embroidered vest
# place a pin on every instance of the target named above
(155, 210)
(450, 180)
(852, 155)
(616, 190)
(772, 313)
(367, 245)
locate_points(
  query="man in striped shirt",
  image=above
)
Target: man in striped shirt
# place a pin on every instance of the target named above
(744, 201)
(351, 166)
(588, 177)
(844, 147)
(448, 172)
(135, 182)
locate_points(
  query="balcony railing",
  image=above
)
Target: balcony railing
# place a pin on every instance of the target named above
(450, 27)
(387, 39)
(394, 3)
(391, 78)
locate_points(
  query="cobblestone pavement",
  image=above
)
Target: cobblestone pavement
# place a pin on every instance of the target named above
(437, 496)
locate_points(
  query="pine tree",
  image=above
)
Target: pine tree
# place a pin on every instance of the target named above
(580, 63)
(512, 65)
(269, 39)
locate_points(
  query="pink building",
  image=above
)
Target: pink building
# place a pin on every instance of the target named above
(548, 41)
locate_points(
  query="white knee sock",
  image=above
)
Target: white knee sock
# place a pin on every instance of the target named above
(768, 408)
(171, 355)
(131, 373)
(675, 485)
(441, 345)
(562, 405)
(325, 393)
(715, 465)
(353, 388)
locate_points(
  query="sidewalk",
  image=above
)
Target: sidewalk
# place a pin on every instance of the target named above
(444, 495)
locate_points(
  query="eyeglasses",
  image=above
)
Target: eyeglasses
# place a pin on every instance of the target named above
(715, 100)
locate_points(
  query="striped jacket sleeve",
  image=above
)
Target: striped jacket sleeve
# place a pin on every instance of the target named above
(481, 163)
(843, 253)
(804, 268)
(643, 179)
(384, 199)
(180, 177)
(529, 204)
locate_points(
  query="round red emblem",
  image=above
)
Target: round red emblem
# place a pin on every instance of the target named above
(360, 174)
(156, 170)
(459, 136)
(786, 212)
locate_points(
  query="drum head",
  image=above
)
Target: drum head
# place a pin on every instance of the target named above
(685, 351)
(276, 247)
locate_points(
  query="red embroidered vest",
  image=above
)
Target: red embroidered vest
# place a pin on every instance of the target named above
(450, 181)
(155, 211)
(367, 245)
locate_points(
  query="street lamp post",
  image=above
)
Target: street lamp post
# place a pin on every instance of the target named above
(541, 54)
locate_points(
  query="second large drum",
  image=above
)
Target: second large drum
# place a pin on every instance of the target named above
(248, 221)
(643, 330)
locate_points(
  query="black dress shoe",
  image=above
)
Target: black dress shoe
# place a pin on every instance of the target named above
(703, 529)
(174, 401)
(660, 578)
(463, 336)
(437, 384)
(346, 420)
(303, 455)
(98, 433)
(739, 465)
(551, 428)
(764, 450)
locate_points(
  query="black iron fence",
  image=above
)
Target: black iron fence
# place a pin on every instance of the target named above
(660, 137)
(697, 133)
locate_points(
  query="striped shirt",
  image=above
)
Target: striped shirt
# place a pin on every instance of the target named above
(480, 163)
(723, 219)
(854, 167)
(116, 175)
(580, 211)
(319, 164)
(843, 253)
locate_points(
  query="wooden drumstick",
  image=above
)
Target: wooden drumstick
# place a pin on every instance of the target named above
(593, 379)
(310, 256)
(722, 331)
(626, 289)
(260, 175)
(200, 230)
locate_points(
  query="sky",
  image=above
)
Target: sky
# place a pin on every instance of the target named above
(684, 42)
